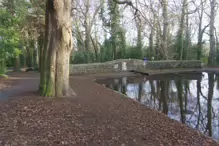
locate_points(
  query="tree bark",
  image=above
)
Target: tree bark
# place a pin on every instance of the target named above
(181, 31)
(151, 44)
(188, 36)
(54, 78)
(212, 56)
(36, 55)
(41, 44)
(95, 48)
(164, 45)
(17, 63)
(200, 32)
(29, 56)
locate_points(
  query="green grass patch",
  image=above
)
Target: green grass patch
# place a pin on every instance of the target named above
(4, 76)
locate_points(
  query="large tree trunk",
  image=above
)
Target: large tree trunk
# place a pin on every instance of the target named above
(54, 78)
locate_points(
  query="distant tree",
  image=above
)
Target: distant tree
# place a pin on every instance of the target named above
(212, 53)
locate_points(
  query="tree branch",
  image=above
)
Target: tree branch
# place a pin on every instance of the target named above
(203, 30)
(128, 3)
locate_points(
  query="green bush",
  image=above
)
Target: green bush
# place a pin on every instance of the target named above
(4, 76)
(82, 57)
(133, 52)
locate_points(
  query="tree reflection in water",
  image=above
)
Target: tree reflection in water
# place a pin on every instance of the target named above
(191, 98)
(210, 96)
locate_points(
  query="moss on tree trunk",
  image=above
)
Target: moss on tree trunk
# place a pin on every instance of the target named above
(54, 78)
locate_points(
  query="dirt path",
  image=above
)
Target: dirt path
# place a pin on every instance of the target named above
(4, 83)
(22, 84)
(96, 116)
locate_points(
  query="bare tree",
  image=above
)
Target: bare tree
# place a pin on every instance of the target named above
(85, 16)
(201, 30)
(212, 56)
(164, 45)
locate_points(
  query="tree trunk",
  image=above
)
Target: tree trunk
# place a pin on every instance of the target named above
(188, 36)
(54, 78)
(29, 56)
(17, 63)
(40, 45)
(212, 56)
(164, 45)
(87, 43)
(114, 24)
(151, 44)
(95, 48)
(200, 33)
(181, 31)
(25, 57)
(139, 35)
(36, 56)
(157, 45)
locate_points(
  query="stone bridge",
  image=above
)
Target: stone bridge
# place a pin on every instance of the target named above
(125, 65)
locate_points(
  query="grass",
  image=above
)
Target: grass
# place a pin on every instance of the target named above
(4, 76)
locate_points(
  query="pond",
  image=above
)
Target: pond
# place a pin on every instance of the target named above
(191, 98)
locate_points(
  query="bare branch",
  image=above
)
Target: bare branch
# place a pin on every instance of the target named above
(203, 30)
(128, 3)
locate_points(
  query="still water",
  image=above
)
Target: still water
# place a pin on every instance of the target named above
(191, 98)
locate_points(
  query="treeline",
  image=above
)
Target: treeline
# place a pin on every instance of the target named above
(105, 30)
(160, 31)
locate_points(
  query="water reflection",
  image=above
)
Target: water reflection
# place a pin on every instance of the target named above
(192, 99)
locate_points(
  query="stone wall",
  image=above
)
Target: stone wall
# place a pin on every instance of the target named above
(131, 65)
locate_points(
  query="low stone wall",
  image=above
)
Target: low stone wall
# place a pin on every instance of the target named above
(131, 65)
(169, 64)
